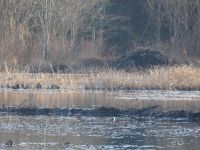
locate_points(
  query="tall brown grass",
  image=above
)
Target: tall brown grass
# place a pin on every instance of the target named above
(163, 78)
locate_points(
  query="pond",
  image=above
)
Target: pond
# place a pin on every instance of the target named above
(95, 132)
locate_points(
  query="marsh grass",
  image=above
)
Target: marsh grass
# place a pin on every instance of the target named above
(161, 78)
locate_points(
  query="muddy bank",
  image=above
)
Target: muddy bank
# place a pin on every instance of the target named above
(143, 113)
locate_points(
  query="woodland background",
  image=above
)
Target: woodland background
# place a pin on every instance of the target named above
(64, 31)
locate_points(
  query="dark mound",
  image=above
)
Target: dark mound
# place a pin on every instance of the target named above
(83, 64)
(143, 58)
(60, 68)
(147, 112)
(107, 111)
(9, 143)
(91, 62)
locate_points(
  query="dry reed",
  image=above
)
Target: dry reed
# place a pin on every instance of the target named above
(162, 78)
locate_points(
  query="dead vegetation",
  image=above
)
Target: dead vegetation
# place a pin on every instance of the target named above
(166, 78)
(68, 30)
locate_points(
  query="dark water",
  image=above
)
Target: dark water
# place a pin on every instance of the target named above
(81, 132)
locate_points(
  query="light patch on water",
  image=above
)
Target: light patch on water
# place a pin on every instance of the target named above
(39, 132)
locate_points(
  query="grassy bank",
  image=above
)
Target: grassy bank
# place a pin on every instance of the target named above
(163, 78)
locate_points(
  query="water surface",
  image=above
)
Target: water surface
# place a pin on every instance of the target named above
(73, 132)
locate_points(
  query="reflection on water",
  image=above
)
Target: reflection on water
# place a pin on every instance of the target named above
(167, 100)
(56, 132)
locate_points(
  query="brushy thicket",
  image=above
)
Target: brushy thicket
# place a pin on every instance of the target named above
(72, 29)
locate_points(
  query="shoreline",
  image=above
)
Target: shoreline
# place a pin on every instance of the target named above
(186, 78)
